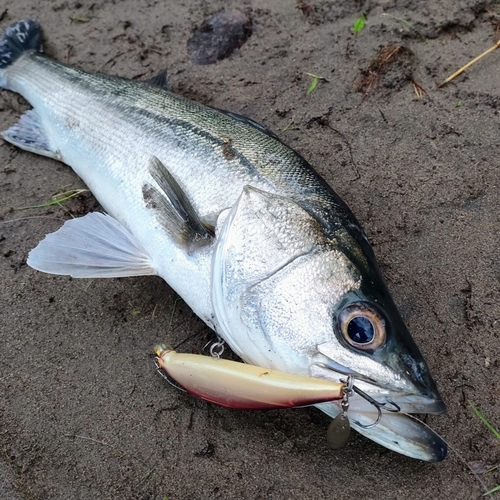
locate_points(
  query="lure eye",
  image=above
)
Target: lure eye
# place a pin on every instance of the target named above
(362, 327)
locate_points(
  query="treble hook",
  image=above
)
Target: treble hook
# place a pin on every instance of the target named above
(350, 388)
(369, 426)
(394, 409)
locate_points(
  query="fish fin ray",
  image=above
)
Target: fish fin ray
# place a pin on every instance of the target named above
(28, 134)
(248, 121)
(173, 209)
(18, 38)
(93, 246)
(166, 215)
(159, 80)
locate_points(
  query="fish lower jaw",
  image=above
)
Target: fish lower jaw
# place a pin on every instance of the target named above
(396, 431)
(401, 433)
(393, 403)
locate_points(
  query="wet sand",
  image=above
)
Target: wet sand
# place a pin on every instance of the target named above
(83, 415)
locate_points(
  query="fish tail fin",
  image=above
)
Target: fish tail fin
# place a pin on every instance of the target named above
(18, 38)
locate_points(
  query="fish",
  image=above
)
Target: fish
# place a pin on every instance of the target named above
(253, 239)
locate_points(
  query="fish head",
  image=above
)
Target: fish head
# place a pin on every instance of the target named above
(291, 296)
(372, 347)
(371, 342)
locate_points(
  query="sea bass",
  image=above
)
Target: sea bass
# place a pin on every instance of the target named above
(238, 224)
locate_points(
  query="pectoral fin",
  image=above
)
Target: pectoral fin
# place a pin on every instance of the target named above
(94, 246)
(173, 208)
(28, 134)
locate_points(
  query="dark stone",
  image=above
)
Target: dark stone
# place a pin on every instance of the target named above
(219, 36)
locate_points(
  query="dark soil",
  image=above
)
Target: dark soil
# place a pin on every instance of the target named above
(83, 415)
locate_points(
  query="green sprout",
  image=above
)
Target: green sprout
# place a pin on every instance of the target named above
(496, 433)
(359, 24)
(314, 83)
(57, 199)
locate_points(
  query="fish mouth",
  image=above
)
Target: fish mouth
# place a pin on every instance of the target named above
(386, 416)
(394, 402)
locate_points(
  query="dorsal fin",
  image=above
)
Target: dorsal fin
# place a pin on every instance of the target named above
(159, 80)
(248, 121)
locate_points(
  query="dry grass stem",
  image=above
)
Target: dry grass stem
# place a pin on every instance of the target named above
(469, 64)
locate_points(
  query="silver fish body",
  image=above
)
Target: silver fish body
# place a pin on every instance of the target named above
(245, 231)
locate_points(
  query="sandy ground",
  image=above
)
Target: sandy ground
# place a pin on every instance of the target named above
(83, 415)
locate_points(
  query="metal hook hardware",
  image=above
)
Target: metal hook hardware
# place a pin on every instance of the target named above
(350, 388)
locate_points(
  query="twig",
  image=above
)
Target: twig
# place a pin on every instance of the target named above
(375, 69)
(146, 476)
(201, 330)
(289, 126)
(469, 64)
(33, 217)
(419, 90)
(344, 138)
(173, 311)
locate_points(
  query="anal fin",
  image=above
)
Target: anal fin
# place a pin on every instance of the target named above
(28, 134)
(93, 246)
(173, 209)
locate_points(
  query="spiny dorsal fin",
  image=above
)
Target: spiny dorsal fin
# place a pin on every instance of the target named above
(172, 207)
(159, 80)
(248, 121)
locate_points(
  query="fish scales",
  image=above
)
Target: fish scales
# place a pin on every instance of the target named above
(116, 119)
(179, 124)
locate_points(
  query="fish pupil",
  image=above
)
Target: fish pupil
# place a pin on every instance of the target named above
(360, 330)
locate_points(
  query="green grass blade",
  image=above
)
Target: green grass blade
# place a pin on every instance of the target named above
(494, 490)
(57, 199)
(315, 81)
(483, 419)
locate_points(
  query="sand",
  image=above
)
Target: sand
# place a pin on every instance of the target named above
(83, 415)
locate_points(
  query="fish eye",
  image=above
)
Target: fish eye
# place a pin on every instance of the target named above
(362, 327)
(360, 330)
